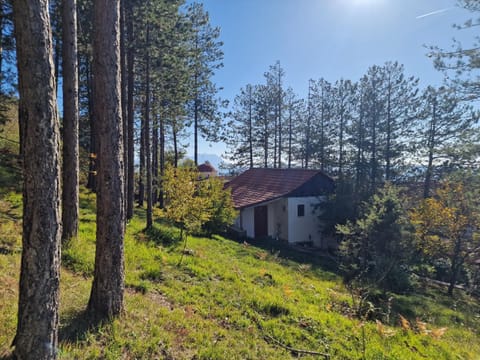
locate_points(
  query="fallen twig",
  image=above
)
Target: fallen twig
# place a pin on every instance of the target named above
(293, 350)
(268, 337)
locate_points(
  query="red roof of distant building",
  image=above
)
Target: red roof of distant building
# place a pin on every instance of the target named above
(207, 167)
(255, 186)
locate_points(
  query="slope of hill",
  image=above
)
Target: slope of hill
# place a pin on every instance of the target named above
(230, 300)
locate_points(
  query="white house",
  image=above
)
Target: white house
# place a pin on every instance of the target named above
(279, 203)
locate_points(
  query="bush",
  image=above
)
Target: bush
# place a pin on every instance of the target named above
(376, 248)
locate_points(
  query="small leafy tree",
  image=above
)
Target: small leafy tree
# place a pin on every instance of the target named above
(447, 227)
(220, 206)
(375, 247)
(183, 205)
(193, 204)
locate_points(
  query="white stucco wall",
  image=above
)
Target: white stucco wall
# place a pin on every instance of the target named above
(284, 223)
(304, 228)
(278, 219)
(246, 221)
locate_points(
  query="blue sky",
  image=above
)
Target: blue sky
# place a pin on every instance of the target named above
(332, 39)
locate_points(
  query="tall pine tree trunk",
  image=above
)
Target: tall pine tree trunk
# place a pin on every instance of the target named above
(275, 140)
(38, 303)
(265, 142)
(155, 159)
(341, 144)
(147, 132)
(431, 147)
(322, 132)
(162, 162)
(250, 127)
(373, 158)
(92, 167)
(141, 172)
(106, 299)
(195, 131)
(130, 110)
(175, 144)
(388, 150)
(280, 105)
(307, 130)
(70, 211)
(290, 134)
(124, 89)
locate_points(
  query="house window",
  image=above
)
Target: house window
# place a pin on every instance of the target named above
(300, 210)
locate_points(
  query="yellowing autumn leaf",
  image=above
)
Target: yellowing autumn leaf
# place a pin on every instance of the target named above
(404, 323)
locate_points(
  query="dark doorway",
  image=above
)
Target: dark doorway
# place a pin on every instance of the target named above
(261, 221)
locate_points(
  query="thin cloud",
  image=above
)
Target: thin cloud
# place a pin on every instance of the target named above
(436, 12)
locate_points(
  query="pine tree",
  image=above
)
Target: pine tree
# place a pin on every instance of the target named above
(240, 130)
(344, 98)
(274, 82)
(309, 127)
(323, 100)
(263, 125)
(374, 247)
(106, 298)
(205, 58)
(400, 108)
(444, 120)
(38, 316)
(130, 59)
(294, 113)
(461, 65)
(70, 192)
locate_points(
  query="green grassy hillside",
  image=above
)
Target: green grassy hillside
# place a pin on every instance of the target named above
(229, 300)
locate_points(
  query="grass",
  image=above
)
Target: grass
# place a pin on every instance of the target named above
(232, 300)
(229, 300)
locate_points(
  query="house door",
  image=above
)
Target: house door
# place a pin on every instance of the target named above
(261, 221)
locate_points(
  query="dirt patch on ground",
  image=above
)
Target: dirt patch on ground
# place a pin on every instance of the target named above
(154, 296)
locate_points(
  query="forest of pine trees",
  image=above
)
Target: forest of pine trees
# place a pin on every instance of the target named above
(380, 128)
(135, 76)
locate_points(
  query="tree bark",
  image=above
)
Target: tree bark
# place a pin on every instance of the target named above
(124, 89)
(147, 132)
(141, 172)
(70, 211)
(130, 111)
(92, 166)
(175, 144)
(106, 298)
(155, 159)
(162, 163)
(37, 326)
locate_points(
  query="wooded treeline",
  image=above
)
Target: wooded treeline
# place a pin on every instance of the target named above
(380, 128)
(134, 76)
(169, 54)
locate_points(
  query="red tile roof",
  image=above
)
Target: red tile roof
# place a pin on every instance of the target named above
(206, 168)
(255, 186)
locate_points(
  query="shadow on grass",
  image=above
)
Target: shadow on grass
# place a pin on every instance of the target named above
(10, 171)
(163, 235)
(77, 327)
(318, 259)
(87, 202)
